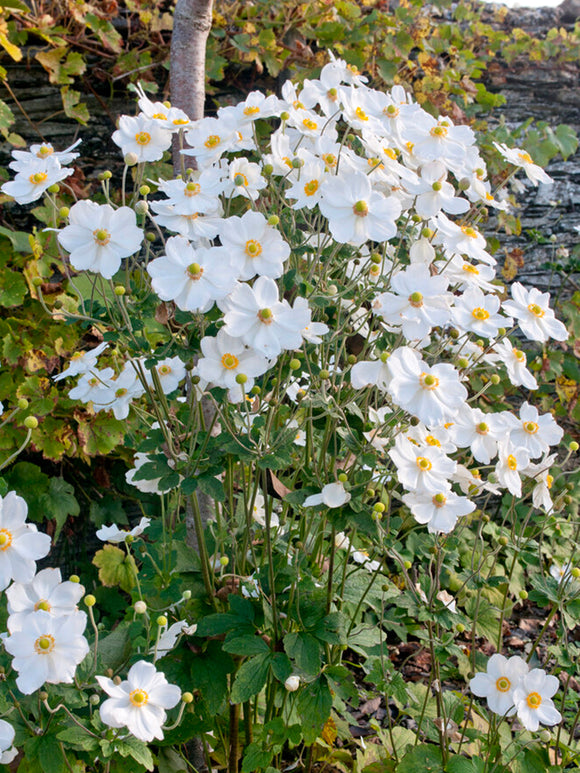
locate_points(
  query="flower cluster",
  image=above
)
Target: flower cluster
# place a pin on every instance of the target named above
(511, 687)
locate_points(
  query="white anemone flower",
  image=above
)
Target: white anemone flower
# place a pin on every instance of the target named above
(478, 312)
(439, 511)
(356, 212)
(170, 372)
(169, 637)
(522, 158)
(143, 136)
(421, 468)
(534, 432)
(253, 246)
(562, 573)
(98, 237)
(191, 277)
(140, 702)
(512, 461)
(48, 649)
(23, 158)
(332, 495)
(21, 545)
(515, 361)
(7, 751)
(533, 700)
(33, 179)
(82, 362)
(535, 317)
(498, 684)
(114, 534)
(45, 593)
(433, 394)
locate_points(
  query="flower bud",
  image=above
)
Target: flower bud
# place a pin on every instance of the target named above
(144, 190)
(37, 281)
(284, 116)
(55, 188)
(351, 359)
(187, 697)
(273, 220)
(140, 607)
(120, 290)
(141, 207)
(407, 564)
(150, 236)
(495, 379)
(31, 422)
(379, 507)
(23, 403)
(503, 541)
(224, 560)
(523, 594)
(297, 162)
(292, 683)
(106, 175)
(294, 364)
(94, 699)
(63, 212)
(43, 695)
(343, 477)
(186, 595)
(324, 374)
(460, 628)
(161, 620)
(575, 572)
(131, 159)
(90, 600)
(573, 446)
(267, 169)
(74, 578)
(241, 378)
(238, 179)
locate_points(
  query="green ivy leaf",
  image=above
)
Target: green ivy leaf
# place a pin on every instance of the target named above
(116, 568)
(60, 503)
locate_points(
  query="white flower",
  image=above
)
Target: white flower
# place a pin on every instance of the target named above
(7, 751)
(244, 179)
(120, 392)
(439, 511)
(535, 317)
(421, 468)
(532, 699)
(521, 158)
(478, 312)
(479, 431)
(543, 480)
(434, 193)
(447, 600)
(332, 495)
(514, 360)
(98, 236)
(47, 593)
(259, 513)
(170, 372)
(253, 246)
(114, 534)
(226, 357)
(433, 394)
(561, 573)
(140, 702)
(370, 373)
(93, 386)
(533, 432)
(143, 136)
(81, 362)
(499, 683)
(33, 179)
(23, 158)
(356, 212)
(48, 649)
(193, 278)
(168, 638)
(255, 315)
(21, 545)
(292, 683)
(511, 462)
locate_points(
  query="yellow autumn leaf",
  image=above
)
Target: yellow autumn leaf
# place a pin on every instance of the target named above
(10, 48)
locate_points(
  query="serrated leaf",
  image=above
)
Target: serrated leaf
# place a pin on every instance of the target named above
(138, 750)
(78, 739)
(116, 568)
(211, 486)
(72, 105)
(313, 706)
(60, 503)
(256, 758)
(246, 645)
(424, 757)
(115, 648)
(305, 650)
(251, 678)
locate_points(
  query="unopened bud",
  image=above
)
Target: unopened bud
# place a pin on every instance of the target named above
(141, 207)
(120, 290)
(53, 188)
(140, 607)
(23, 403)
(144, 190)
(224, 560)
(74, 578)
(495, 379)
(131, 159)
(297, 162)
(294, 364)
(523, 594)
(31, 422)
(343, 477)
(573, 446)
(241, 378)
(187, 697)
(63, 212)
(273, 220)
(90, 600)
(292, 683)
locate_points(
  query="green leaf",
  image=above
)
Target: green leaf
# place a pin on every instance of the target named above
(281, 666)
(13, 288)
(459, 764)
(246, 645)
(211, 486)
(251, 678)
(78, 739)
(305, 650)
(567, 140)
(138, 750)
(15, 4)
(60, 503)
(116, 568)
(73, 107)
(313, 706)
(6, 119)
(20, 240)
(256, 758)
(169, 761)
(50, 755)
(209, 674)
(115, 648)
(424, 757)
(387, 69)
(101, 434)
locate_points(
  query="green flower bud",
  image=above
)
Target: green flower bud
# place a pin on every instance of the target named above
(31, 422)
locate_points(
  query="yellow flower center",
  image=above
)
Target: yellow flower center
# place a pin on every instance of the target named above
(93, 381)
(439, 500)
(329, 159)
(164, 370)
(142, 138)
(503, 684)
(138, 698)
(297, 105)
(361, 115)
(101, 236)
(525, 157)
(432, 441)
(42, 604)
(308, 123)
(423, 463)
(534, 700)
(470, 268)
(121, 392)
(416, 300)
(193, 216)
(511, 462)
(530, 427)
(195, 272)
(5, 539)
(332, 94)
(391, 111)
(438, 131)
(266, 316)
(391, 153)
(549, 480)
(469, 231)
(44, 151)
(38, 178)
(44, 645)
(428, 381)
(480, 314)
(212, 141)
(251, 110)
(482, 428)
(191, 189)
(353, 69)
(179, 121)
(311, 187)
(160, 116)
(230, 361)
(536, 310)
(253, 248)
(360, 208)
